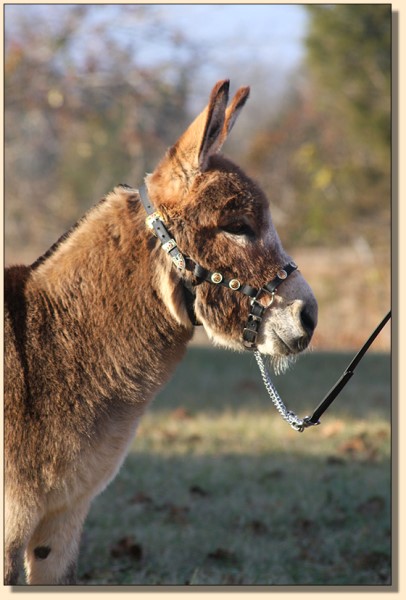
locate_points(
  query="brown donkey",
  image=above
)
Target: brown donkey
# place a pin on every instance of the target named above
(95, 327)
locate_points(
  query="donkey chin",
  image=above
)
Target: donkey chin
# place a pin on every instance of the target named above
(285, 333)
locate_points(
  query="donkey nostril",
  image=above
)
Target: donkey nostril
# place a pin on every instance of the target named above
(307, 320)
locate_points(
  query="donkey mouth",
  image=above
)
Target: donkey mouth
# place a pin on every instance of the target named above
(283, 347)
(293, 346)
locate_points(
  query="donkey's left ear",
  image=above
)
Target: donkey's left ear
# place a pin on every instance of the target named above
(203, 137)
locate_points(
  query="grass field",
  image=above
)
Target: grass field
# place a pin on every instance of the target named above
(218, 490)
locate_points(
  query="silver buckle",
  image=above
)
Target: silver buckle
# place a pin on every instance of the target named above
(169, 245)
(179, 260)
(150, 220)
(177, 257)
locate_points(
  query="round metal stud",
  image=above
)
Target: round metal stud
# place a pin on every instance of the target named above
(282, 274)
(234, 284)
(217, 278)
(293, 265)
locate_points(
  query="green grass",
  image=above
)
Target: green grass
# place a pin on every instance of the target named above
(218, 490)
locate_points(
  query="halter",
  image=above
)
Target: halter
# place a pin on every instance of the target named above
(155, 223)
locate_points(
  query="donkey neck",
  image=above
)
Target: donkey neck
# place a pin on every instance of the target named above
(109, 274)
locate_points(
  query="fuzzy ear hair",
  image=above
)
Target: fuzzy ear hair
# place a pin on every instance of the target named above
(191, 153)
(215, 119)
(203, 137)
(233, 112)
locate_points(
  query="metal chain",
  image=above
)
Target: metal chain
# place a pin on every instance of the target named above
(294, 421)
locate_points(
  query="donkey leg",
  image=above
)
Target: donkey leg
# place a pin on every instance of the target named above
(51, 556)
(12, 561)
(20, 521)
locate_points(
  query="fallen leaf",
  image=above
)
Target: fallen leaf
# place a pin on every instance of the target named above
(223, 555)
(175, 514)
(332, 429)
(372, 507)
(303, 525)
(126, 546)
(355, 445)
(180, 414)
(141, 498)
(335, 460)
(196, 490)
(257, 527)
(373, 560)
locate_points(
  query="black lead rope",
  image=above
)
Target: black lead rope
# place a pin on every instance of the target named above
(346, 376)
(301, 424)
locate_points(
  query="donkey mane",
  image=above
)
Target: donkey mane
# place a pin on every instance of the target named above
(65, 236)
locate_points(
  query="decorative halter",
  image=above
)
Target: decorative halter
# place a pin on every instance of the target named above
(155, 222)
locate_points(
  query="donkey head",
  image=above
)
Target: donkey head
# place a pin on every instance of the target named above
(220, 218)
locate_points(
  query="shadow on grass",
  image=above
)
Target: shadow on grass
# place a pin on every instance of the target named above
(216, 493)
(238, 520)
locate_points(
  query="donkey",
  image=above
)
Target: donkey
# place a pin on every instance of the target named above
(95, 327)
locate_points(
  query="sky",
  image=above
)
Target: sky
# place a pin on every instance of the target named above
(234, 38)
(274, 30)
(241, 38)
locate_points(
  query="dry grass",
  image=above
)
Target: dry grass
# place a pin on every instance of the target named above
(219, 491)
(353, 292)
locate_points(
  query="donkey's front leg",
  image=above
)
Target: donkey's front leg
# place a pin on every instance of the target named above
(21, 516)
(51, 556)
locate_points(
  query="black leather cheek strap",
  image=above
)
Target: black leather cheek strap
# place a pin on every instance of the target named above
(257, 310)
(146, 202)
(156, 224)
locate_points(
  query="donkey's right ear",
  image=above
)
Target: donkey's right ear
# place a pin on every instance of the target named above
(203, 137)
(190, 155)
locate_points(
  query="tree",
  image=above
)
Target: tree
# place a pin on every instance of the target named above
(349, 55)
(325, 159)
(82, 115)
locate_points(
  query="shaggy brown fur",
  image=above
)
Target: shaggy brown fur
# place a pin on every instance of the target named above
(96, 326)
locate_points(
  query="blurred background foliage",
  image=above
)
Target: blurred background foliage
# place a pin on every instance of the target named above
(86, 108)
(329, 164)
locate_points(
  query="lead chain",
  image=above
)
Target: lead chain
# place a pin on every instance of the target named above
(294, 421)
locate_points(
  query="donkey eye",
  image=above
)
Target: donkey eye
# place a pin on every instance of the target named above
(238, 228)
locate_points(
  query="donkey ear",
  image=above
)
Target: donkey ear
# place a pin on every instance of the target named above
(233, 111)
(214, 122)
(203, 136)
